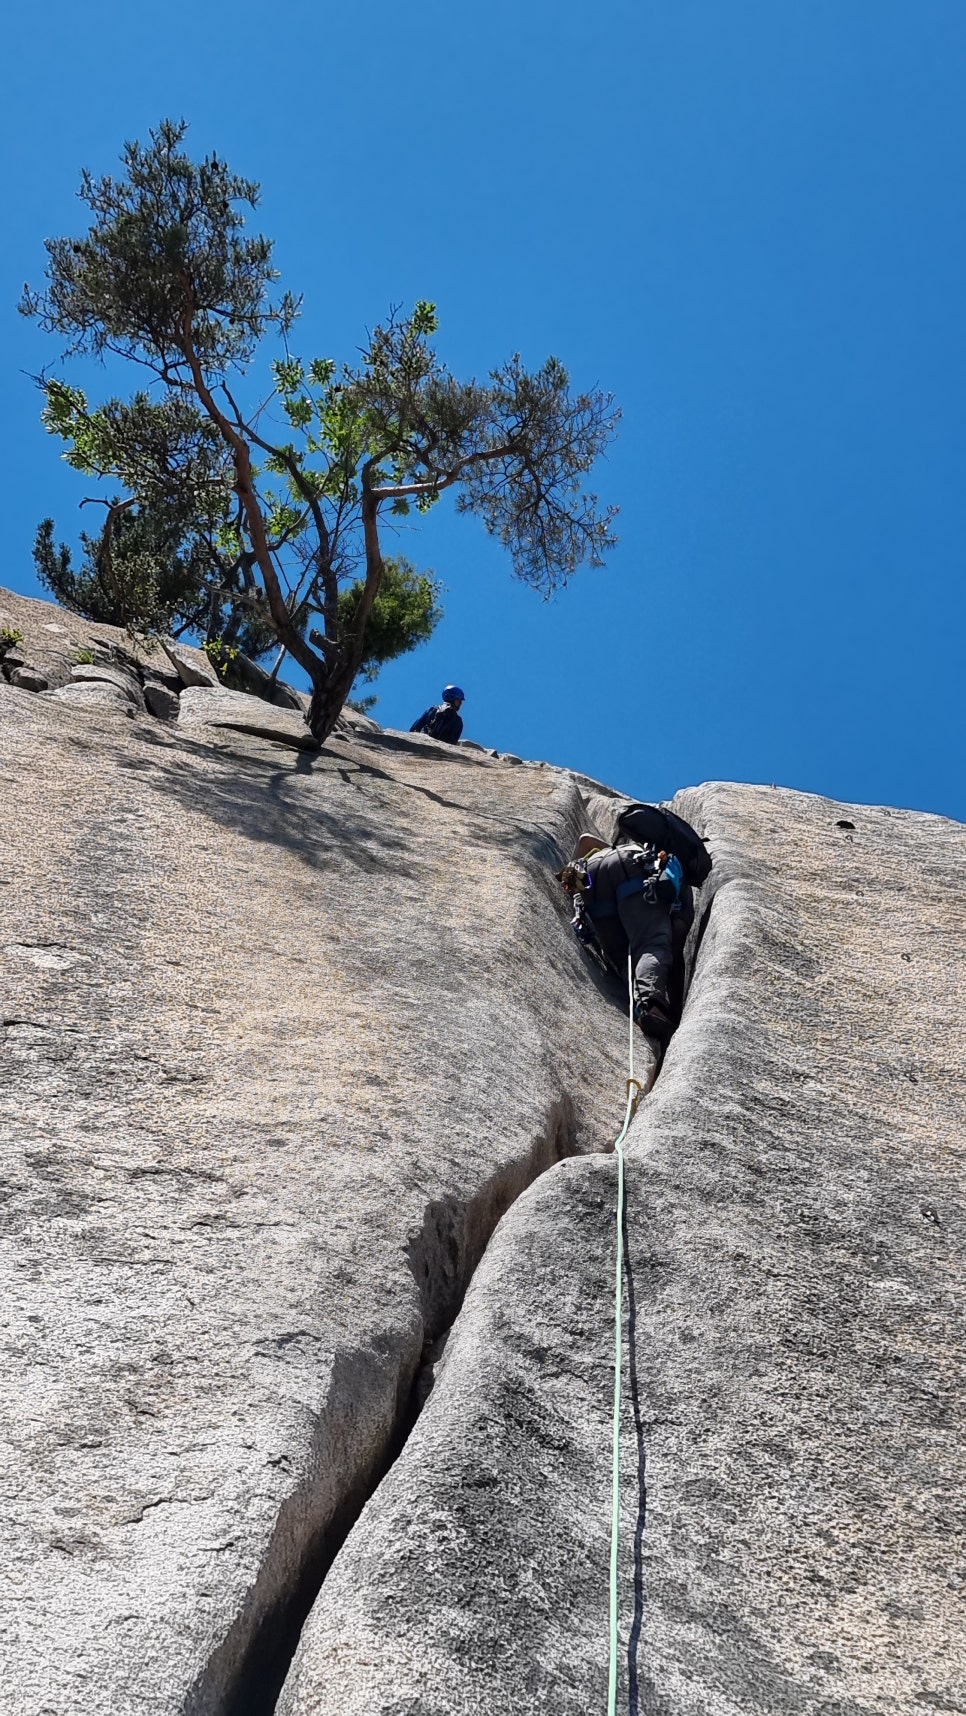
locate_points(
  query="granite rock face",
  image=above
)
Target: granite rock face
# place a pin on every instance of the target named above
(216, 706)
(94, 694)
(283, 1035)
(792, 1532)
(306, 1103)
(161, 701)
(25, 678)
(125, 681)
(185, 661)
(53, 639)
(59, 650)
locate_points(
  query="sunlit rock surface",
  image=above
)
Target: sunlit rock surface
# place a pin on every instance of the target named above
(281, 1036)
(792, 1497)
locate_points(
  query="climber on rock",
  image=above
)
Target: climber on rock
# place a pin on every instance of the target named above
(623, 898)
(443, 720)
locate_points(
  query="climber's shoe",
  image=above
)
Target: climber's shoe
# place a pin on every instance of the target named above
(655, 1020)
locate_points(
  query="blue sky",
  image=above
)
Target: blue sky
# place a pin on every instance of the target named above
(745, 220)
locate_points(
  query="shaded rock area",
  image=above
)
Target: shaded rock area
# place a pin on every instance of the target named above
(161, 701)
(282, 1036)
(26, 678)
(792, 1530)
(253, 678)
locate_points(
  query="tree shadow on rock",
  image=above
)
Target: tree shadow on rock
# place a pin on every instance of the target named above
(247, 794)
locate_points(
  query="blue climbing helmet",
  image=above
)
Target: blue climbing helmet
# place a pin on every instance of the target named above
(453, 694)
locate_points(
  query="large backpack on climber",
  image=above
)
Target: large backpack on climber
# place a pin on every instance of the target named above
(439, 723)
(649, 825)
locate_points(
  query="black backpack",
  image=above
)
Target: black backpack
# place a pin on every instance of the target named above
(651, 826)
(442, 722)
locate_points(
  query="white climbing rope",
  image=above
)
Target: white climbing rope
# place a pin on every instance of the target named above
(633, 1093)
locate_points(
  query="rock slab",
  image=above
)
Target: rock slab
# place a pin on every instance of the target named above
(191, 665)
(99, 673)
(161, 702)
(28, 679)
(273, 1066)
(269, 1073)
(792, 1527)
(214, 707)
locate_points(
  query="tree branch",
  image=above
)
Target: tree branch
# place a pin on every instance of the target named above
(241, 458)
(432, 486)
(329, 581)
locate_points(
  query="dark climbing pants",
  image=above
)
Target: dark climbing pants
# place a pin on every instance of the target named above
(631, 922)
(646, 930)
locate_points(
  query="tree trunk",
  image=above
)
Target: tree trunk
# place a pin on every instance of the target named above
(329, 694)
(328, 701)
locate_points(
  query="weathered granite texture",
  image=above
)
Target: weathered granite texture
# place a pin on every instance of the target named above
(53, 638)
(282, 1034)
(27, 679)
(281, 1037)
(793, 1504)
(203, 706)
(62, 651)
(190, 669)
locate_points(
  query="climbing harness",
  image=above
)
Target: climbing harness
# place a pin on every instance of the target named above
(635, 1090)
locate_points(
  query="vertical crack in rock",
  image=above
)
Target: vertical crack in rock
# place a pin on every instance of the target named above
(368, 1428)
(444, 1254)
(373, 1402)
